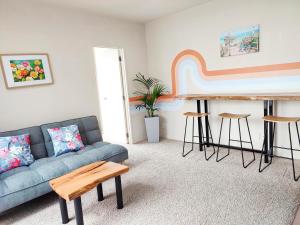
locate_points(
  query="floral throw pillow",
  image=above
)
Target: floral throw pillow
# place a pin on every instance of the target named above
(65, 139)
(15, 152)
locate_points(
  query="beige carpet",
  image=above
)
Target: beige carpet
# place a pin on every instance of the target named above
(164, 188)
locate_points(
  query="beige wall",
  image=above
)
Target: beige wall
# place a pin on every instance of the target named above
(68, 36)
(199, 28)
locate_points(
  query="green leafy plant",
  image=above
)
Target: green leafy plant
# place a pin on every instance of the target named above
(150, 89)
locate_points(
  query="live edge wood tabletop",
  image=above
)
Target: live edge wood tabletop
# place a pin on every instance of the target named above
(82, 180)
(268, 96)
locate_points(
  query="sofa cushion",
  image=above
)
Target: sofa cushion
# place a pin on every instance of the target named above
(43, 170)
(18, 179)
(65, 139)
(15, 152)
(19, 197)
(37, 145)
(88, 129)
(49, 168)
(103, 151)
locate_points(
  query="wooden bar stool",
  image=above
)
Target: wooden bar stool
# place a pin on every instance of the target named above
(274, 120)
(238, 117)
(196, 115)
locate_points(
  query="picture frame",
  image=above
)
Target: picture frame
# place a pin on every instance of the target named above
(24, 70)
(241, 41)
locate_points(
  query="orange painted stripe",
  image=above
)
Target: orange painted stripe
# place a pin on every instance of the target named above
(205, 72)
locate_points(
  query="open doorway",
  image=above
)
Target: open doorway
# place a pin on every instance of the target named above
(113, 95)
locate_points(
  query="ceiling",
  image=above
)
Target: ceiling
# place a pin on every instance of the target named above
(141, 11)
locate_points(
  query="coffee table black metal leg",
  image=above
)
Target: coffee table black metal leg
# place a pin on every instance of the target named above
(119, 192)
(63, 210)
(100, 192)
(78, 211)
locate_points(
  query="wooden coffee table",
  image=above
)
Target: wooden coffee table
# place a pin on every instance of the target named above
(72, 185)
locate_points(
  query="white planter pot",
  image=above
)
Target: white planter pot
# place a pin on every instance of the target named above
(152, 128)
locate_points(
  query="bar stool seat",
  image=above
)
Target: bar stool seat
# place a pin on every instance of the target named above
(194, 114)
(275, 119)
(202, 143)
(234, 116)
(238, 117)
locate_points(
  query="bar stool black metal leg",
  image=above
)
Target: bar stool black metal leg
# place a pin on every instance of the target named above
(229, 136)
(240, 134)
(63, 210)
(272, 139)
(292, 154)
(212, 140)
(207, 158)
(264, 151)
(296, 123)
(193, 133)
(184, 139)
(218, 149)
(100, 192)
(119, 192)
(250, 138)
(78, 211)
(186, 118)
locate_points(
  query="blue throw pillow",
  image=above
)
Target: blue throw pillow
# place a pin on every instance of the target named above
(65, 139)
(15, 152)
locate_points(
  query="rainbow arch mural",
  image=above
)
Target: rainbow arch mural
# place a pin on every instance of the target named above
(277, 78)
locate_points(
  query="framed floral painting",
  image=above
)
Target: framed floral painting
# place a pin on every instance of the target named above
(21, 70)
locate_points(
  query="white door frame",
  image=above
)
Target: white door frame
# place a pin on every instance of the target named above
(126, 96)
(124, 91)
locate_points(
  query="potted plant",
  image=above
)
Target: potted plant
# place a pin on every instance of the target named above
(149, 90)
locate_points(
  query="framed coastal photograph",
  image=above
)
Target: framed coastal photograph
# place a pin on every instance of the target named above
(21, 70)
(238, 42)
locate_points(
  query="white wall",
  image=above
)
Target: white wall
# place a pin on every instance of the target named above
(68, 35)
(199, 28)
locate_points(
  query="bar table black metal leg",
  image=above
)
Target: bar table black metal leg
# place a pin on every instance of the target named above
(119, 192)
(78, 211)
(266, 139)
(100, 192)
(199, 125)
(206, 123)
(270, 129)
(63, 210)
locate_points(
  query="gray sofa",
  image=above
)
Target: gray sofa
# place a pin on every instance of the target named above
(28, 182)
